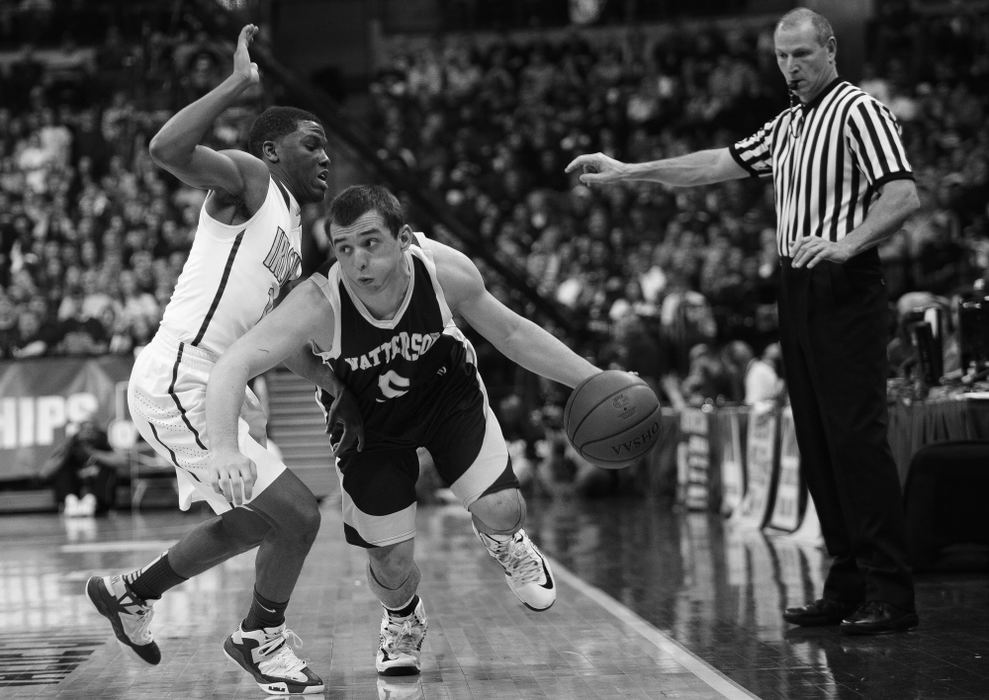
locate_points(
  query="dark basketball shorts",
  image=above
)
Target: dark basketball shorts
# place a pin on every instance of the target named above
(378, 484)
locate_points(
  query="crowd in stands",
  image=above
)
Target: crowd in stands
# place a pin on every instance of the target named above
(92, 233)
(676, 284)
(668, 278)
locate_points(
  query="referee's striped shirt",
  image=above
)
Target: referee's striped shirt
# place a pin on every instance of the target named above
(828, 159)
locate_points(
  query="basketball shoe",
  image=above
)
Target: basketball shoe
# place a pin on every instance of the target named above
(267, 654)
(526, 569)
(401, 641)
(129, 615)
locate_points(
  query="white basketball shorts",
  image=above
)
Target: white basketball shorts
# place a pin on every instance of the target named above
(167, 400)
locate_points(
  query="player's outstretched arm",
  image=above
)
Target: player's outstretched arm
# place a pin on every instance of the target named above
(298, 321)
(176, 147)
(516, 337)
(303, 317)
(698, 168)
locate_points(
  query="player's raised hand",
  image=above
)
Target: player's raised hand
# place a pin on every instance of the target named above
(597, 169)
(243, 65)
(232, 475)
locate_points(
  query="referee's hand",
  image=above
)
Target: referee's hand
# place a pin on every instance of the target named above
(596, 169)
(810, 250)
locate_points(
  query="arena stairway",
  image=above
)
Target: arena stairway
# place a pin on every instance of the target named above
(295, 425)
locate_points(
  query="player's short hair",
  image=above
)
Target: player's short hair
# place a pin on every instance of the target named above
(273, 123)
(822, 27)
(357, 200)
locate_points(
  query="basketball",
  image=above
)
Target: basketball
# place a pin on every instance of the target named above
(612, 419)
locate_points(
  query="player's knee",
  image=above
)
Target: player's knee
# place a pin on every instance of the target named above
(391, 566)
(306, 519)
(499, 513)
(239, 528)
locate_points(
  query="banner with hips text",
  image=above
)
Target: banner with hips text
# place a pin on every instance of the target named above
(40, 398)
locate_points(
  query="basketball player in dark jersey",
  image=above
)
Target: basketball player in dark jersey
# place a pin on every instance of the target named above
(382, 319)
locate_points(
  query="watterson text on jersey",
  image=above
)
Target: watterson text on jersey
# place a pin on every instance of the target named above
(410, 346)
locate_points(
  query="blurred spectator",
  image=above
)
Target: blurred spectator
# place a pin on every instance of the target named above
(34, 339)
(707, 380)
(79, 334)
(523, 436)
(737, 357)
(83, 470)
(135, 303)
(9, 334)
(763, 377)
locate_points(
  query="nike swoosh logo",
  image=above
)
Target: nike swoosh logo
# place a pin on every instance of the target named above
(264, 608)
(549, 579)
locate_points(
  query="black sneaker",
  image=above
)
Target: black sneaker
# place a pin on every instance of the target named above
(129, 615)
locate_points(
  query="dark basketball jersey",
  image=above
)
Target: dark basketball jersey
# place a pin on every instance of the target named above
(405, 371)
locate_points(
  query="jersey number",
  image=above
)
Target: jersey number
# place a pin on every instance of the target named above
(392, 385)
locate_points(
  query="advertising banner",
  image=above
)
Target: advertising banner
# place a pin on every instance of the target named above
(694, 458)
(41, 398)
(761, 457)
(785, 515)
(732, 459)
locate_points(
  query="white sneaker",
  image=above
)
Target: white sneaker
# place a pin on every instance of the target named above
(87, 505)
(526, 570)
(267, 654)
(129, 615)
(400, 643)
(71, 509)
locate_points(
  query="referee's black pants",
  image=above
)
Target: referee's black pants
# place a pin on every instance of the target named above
(833, 332)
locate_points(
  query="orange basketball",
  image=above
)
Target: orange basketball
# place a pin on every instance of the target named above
(612, 419)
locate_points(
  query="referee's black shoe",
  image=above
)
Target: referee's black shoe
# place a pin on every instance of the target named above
(820, 613)
(878, 617)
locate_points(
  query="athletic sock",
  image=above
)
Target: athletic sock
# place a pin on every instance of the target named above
(154, 579)
(264, 613)
(406, 609)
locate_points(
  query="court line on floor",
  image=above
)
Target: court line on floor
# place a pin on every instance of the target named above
(117, 546)
(666, 644)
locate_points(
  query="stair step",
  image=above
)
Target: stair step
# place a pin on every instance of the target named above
(297, 426)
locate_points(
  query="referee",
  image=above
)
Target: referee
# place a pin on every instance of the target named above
(842, 185)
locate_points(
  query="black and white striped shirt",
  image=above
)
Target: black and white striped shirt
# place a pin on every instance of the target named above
(828, 159)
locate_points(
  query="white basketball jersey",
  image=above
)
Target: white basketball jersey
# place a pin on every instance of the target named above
(234, 273)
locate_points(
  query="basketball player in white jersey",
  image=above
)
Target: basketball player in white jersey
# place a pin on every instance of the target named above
(246, 247)
(382, 318)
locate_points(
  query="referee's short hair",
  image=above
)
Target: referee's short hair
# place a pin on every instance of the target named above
(822, 27)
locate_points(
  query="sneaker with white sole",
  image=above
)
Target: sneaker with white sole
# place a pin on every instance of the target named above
(129, 615)
(526, 569)
(400, 643)
(269, 656)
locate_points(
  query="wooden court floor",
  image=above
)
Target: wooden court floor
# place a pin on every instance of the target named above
(652, 604)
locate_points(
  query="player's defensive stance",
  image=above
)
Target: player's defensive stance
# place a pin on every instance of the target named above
(246, 246)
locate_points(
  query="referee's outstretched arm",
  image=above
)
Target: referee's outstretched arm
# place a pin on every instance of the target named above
(697, 168)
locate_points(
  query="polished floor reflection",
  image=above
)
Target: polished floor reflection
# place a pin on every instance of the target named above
(653, 603)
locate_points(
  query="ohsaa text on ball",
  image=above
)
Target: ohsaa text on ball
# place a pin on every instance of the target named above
(637, 441)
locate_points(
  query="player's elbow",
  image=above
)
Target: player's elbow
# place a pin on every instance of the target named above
(164, 152)
(158, 149)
